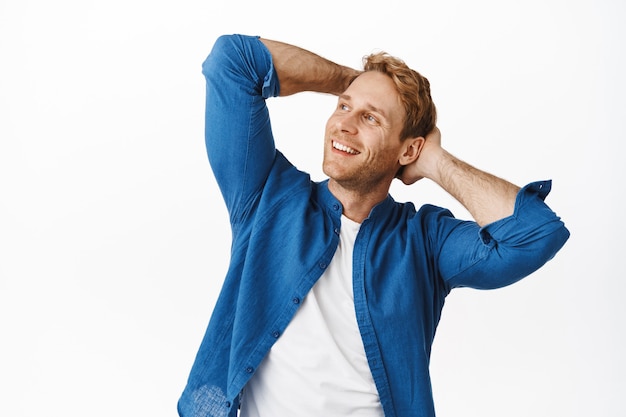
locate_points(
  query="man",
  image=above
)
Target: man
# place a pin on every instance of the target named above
(334, 290)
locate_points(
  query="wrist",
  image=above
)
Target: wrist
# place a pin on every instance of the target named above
(348, 75)
(436, 162)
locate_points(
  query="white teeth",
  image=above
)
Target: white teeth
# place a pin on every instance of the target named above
(344, 148)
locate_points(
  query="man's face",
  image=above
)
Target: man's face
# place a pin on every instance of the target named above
(362, 142)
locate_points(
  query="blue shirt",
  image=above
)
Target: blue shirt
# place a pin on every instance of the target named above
(285, 231)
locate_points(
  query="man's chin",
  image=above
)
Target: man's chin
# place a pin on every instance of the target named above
(333, 170)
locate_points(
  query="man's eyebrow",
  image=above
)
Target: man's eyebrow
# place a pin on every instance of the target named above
(369, 106)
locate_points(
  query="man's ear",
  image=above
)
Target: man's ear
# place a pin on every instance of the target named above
(411, 149)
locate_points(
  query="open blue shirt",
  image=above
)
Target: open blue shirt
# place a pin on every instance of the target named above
(285, 231)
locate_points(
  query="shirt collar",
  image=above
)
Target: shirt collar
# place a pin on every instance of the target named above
(333, 204)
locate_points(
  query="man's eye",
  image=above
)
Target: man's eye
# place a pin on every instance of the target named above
(371, 118)
(343, 107)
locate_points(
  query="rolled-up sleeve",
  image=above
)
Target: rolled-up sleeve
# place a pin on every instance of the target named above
(239, 76)
(505, 251)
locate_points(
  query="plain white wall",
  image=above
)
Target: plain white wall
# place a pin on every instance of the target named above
(114, 239)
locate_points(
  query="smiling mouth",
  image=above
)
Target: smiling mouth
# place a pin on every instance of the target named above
(344, 148)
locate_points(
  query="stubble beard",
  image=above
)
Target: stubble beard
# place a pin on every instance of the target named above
(360, 178)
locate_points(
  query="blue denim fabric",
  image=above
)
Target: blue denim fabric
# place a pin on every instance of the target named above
(285, 232)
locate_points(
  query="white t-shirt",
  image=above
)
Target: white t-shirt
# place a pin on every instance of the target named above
(318, 366)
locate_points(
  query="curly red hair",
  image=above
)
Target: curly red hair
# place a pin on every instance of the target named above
(414, 91)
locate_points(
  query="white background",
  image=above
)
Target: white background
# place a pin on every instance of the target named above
(114, 239)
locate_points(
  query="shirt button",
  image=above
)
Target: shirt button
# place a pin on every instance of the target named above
(296, 300)
(276, 333)
(322, 264)
(227, 404)
(249, 369)
(336, 230)
(335, 207)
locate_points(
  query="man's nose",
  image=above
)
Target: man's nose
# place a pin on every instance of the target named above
(348, 123)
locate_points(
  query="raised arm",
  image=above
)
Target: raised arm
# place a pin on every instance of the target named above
(514, 232)
(242, 72)
(301, 70)
(487, 197)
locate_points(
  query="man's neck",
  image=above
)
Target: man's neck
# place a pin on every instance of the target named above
(357, 203)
